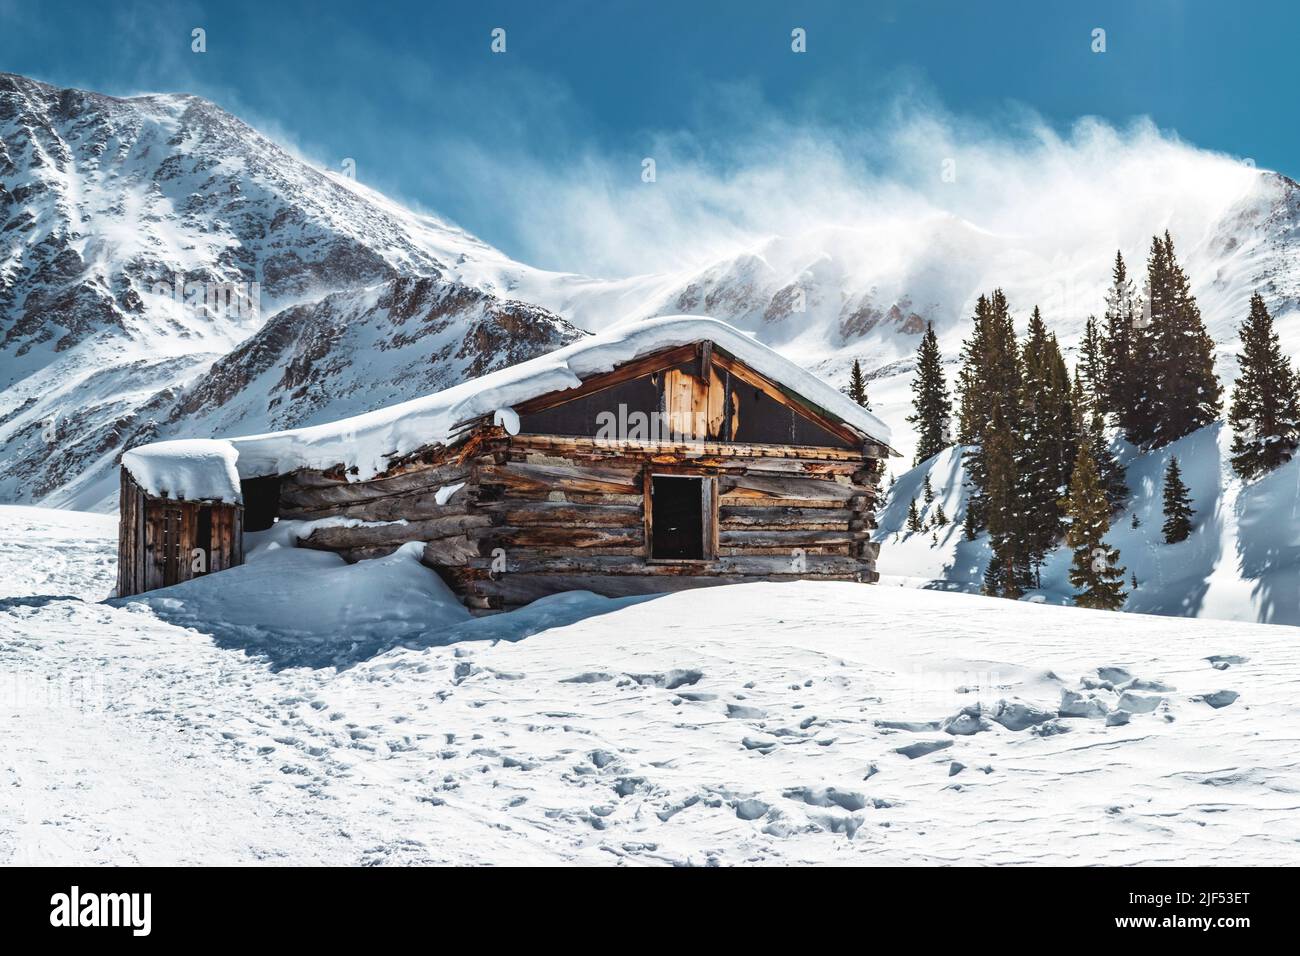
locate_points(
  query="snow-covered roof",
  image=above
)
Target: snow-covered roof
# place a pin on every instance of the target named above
(194, 469)
(368, 443)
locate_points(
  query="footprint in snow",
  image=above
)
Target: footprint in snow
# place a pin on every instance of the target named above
(1160, 687)
(670, 811)
(1074, 704)
(1049, 728)
(588, 677)
(463, 670)
(602, 758)
(911, 726)
(1139, 703)
(966, 722)
(1218, 699)
(832, 797)
(626, 786)
(1016, 715)
(920, 749)
(1221, 662)
(670, 681)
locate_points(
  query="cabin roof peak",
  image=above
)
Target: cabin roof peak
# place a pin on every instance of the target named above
(366, 444)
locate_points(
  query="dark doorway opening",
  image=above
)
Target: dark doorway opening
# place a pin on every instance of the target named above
(203, 541)
(261, 502)
(677, 518)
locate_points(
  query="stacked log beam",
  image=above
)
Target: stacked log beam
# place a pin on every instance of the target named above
(540, 514)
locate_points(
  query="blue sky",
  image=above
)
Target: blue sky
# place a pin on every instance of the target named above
(586, 89)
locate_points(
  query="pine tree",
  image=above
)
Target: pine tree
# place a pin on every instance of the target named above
(927, 491)
(989, 383)
(1265, 413)
(1008, 570)
(970, 519)
(1092, 366)
(858, 386)
(1119, 385)
(1183, 393)
(1090, 425)
(1046, 443)
(971, 389)
(1094, 571)
(940, 519)
(1178, 505)
(913, 517)
(930, 402)
(1140, 414)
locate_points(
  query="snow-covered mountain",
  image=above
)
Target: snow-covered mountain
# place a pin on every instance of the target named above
(108, 206)
(103, 200)
(364, 349)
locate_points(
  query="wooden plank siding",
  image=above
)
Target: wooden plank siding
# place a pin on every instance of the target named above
(157, 538)
(539, 514)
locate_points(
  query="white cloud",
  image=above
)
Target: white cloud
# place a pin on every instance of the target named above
(1093, 187)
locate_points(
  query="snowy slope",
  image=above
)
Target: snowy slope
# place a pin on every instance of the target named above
(348, 354)
(763, 723)
(1242, 561)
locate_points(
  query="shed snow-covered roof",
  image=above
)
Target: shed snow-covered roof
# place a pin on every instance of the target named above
(195, 469)
(368, 443)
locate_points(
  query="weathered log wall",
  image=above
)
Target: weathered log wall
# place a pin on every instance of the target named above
(535, 515)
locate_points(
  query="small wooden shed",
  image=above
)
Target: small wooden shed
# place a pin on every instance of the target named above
(678, 454)
(167, 535)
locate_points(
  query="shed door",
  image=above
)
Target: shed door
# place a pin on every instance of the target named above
(163, 541)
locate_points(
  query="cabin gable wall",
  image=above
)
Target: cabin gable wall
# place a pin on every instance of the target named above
(688, 393)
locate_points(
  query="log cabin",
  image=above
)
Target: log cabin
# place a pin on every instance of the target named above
(665, 454)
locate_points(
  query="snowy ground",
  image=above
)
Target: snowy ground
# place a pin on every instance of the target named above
(765, 723)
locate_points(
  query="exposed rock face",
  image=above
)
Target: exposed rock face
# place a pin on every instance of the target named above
(107, 205)
(354, 351)
(104, 198)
